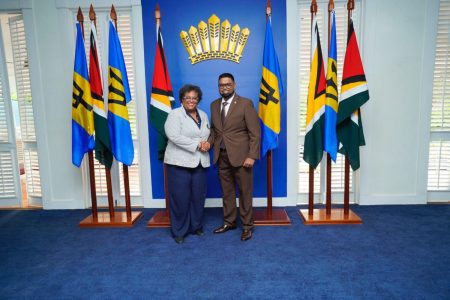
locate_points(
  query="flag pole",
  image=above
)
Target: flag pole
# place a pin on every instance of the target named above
(161, 219)
(350, 7)
(313, 10)
(126, 179)
(269, 153)
(270, 216)
(80, 19)
(166, 186)
(328, 193)
(93, 17)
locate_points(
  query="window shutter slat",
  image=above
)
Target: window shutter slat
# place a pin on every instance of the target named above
(7, 183)
(439, 151)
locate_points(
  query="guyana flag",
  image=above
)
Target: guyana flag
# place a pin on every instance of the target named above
(162, 95)
(103, 151)
(315, 110)
(354, 93)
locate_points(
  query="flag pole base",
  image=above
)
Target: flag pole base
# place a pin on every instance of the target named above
(336, 217)
(103, 220)
(278, 217)
(160, 219)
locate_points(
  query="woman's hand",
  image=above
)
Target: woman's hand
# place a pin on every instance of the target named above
(204, 146)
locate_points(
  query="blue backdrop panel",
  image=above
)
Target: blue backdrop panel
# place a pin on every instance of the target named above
(180, 15)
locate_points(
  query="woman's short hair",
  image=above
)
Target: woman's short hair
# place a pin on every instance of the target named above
(189, 88)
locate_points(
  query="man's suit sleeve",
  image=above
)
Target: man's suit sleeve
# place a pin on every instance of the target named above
(254, 131)
(211, 131)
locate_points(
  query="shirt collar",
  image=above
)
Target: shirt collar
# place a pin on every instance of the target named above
(229, 100)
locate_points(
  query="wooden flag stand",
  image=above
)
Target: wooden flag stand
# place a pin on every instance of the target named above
(329, 216)
(111, 218)
(270, 216)
(161, 219)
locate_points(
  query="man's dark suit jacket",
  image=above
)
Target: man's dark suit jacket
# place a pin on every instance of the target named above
(240, 132)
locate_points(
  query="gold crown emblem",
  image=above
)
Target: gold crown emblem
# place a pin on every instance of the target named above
(204, 43)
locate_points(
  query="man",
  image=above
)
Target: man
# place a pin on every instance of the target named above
(235, 136)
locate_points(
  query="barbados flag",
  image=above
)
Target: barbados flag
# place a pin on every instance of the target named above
(331, 101)
(118, 97)
(269, 94)
(354, 93)
(315, 108)
(82, 109)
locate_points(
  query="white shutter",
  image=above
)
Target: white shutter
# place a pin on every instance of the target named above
(100, 178)
(439, 149)
(338, 175)
(440, 113)
(7, 180)
(439, 166)
(7, 176)
(4, 136)
(23, 88)
(7, 184)
(134, 176)
(22, 76)
(32, 173)
(303, 175)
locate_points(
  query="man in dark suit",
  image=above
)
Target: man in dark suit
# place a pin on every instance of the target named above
(235, 136)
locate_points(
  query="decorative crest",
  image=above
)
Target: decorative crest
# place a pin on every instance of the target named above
(213, 40)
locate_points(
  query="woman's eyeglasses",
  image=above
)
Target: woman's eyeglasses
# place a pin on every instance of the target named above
(194, 99)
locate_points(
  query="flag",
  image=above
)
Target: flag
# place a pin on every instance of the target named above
(162, 95)
(270, 91)
(118, 97)
(315, 109)
(82, 117)
(354, 93)
(103, 151)
(331, 100)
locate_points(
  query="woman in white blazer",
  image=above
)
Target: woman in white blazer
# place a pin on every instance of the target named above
(186, 159)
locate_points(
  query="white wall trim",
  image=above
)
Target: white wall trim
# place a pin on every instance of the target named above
(292, 102)
(141, 105)
(391, 199)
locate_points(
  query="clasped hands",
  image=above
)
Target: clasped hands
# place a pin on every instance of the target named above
(204, 146)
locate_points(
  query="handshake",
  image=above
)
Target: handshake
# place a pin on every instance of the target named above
(204, 146)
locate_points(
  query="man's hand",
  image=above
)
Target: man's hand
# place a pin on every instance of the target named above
(204, 146)
(248, 162)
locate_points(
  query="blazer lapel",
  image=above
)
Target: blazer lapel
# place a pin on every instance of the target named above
(230, 110)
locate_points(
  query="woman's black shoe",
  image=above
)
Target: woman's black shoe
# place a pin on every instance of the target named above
(179, 239)
(199, 232)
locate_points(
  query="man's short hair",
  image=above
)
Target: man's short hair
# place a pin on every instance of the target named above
(226, 75)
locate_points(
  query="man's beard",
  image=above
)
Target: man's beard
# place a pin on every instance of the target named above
(226, 96)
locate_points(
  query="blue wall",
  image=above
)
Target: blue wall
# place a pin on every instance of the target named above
(180, 15)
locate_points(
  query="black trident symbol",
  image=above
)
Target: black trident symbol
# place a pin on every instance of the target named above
(77, 98)
(267, 96)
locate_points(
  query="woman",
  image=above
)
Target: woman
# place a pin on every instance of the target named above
(186, 159)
